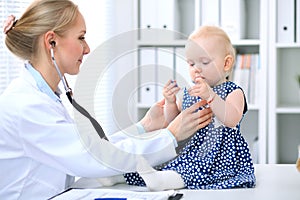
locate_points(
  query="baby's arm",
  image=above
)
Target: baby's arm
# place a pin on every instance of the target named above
(171, 108)
(229, 111)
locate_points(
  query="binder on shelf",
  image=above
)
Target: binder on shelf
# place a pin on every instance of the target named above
(147, 92)
(147, 79)
(148, 19)
(166, 19)
(182, 75)
(155, 17)
(232, 18)
(165, 68)
(285, 21)
(210, 12)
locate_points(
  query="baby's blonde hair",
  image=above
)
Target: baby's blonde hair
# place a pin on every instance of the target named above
(214, 31)
(41, 16)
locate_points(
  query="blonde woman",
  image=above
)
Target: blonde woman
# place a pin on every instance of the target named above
(41, 148)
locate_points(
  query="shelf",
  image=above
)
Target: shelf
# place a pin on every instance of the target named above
(165, 43)
(253, 107)
(246, 42)
(288, 110)
(182, 43)
(288, 45)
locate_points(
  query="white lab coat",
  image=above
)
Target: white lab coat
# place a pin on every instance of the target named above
(40, 145)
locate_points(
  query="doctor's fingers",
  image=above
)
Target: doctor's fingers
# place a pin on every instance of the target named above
(200, 118)
(183, 126)
(195, 107)
(205, 117)
(192, 115)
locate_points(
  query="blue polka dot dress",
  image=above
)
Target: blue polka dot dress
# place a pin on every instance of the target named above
(215, 157)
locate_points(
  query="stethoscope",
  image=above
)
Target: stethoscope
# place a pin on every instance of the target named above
(69, 94)
(62, 78)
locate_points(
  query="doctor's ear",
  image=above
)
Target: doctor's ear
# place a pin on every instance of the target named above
(49, 38)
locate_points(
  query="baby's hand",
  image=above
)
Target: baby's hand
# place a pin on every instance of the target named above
(170, 90)
(201, 89)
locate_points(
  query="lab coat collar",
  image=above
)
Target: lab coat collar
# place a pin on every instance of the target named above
(42, 84)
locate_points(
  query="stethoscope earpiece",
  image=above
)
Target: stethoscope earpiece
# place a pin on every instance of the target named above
(53, 43)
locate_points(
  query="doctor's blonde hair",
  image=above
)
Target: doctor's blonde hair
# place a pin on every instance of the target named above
(40, 17)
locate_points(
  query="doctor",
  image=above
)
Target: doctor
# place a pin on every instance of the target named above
(41, 148)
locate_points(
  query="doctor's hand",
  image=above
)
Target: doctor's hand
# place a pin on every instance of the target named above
(189, 121)
(154, 118)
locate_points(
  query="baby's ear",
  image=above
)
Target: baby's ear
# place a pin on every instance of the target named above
(228, 63)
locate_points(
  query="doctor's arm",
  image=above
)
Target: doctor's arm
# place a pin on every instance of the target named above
(152, 121)
(156, 143)
(182, 127)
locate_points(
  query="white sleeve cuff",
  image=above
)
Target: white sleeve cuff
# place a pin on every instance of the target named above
(172, 136)
(140, 128)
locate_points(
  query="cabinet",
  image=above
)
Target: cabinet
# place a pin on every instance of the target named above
(283, 91)
(161, 52)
